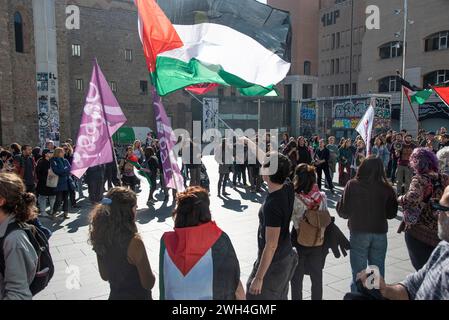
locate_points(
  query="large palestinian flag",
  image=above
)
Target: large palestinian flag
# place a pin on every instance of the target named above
(198, 263)
(240, 43)
(443, 94)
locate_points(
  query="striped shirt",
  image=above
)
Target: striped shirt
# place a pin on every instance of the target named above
(432, 281)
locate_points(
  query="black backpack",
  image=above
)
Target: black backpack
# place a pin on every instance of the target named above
(45, 268)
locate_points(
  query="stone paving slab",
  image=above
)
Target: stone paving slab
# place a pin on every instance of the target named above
(236, 214)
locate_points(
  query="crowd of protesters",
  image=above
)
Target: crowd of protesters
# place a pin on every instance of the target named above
(296, 230)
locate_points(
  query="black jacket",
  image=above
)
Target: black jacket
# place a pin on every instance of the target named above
(304, 155)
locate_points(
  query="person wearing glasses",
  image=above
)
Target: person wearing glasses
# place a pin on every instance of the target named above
(419, 222)
(431, 281)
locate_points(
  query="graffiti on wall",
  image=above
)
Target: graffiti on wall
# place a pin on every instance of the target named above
(347, 113)
(48, 109)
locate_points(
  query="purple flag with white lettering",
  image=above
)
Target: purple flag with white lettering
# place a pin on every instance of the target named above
(167, 140)
(101, 118)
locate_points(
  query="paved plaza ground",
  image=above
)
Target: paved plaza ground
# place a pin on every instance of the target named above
(236, 214)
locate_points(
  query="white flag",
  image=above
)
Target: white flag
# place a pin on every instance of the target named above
(365, 128)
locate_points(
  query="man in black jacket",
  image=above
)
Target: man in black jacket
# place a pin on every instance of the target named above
(322, 156)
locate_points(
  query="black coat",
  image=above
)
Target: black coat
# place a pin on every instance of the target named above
(42, 168)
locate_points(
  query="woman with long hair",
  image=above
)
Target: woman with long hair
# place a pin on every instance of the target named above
(121, 254)
(368, 201)
(138, 150)
(61, 167)
(198, 261)
(44, 192)
(381, 151)
(126, 166)
(419, 222)
(308, 196)
(20, 258)
(304, 155)
(68, 150)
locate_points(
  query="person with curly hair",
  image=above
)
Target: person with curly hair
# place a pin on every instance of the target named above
(443, 160)
(121, 254)
(419, 222)
(20, 258)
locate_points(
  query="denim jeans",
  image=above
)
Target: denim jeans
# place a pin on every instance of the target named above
(43, 203)
(404, 176)
(367, 249)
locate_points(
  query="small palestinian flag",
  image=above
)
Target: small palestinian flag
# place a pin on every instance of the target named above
(198, 263)
(415, 94)
(240, 43)
(135, 162)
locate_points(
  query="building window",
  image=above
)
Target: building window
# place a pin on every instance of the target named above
(144, 87)
(347, 89)
(338, 40)
(337, 66)
(336, 92)
(437, 41)
(360, 62)
(333, 41)
(221, 92)
(306, 91)
(332, 91)
(389, 84)
(307, 68)
(128, 55)
(347, 64)
(391, 50)
(18, 32)
(76, 50)
(113, 86)
(342, 89)
(332, 66)
(79, 84)
(436, 77)
(354, 89)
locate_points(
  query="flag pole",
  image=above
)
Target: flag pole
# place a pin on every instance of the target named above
(197, 99)
(104, 116)
(411, 105)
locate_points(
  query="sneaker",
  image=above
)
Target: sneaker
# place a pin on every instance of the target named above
(150, 202)
(66, 215)
(225, 193)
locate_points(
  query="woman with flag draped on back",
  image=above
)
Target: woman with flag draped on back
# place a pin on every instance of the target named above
(197, 259)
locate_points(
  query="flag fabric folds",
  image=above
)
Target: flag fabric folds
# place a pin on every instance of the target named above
(101, 118)
(415, 94)
(365, 128)
(443, 94)
(240, 43)
(167, 140)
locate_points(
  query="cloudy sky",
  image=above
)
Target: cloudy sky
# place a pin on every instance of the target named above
(263, 1)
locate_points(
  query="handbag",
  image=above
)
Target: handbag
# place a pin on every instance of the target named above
(313, 226)
(52, 179)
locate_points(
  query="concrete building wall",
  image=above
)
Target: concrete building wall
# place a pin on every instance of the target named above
(17, 75)
(335, 54)
(418, 61)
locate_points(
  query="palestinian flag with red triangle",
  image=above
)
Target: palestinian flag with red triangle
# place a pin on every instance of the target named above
(198, 263)
(239, 43)
(442, 93)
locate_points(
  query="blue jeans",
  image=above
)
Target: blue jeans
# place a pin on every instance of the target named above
(367, 249)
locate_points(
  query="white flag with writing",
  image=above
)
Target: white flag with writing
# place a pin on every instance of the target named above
(365, 128)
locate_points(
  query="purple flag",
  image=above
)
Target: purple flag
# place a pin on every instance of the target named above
(101, 118)
(167, 140)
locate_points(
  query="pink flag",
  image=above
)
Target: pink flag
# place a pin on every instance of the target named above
(167, 140)
(101, 118)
